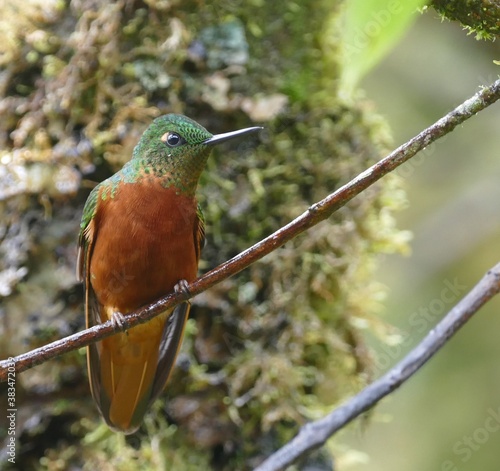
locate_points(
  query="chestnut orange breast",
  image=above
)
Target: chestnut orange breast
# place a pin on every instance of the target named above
(144, 244)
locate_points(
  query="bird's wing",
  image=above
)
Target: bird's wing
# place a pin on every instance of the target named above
(86, 241)
(170, 344)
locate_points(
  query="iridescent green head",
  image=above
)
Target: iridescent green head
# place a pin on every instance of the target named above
(176, 148)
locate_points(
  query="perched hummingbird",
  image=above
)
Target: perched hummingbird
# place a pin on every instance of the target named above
(141, 236)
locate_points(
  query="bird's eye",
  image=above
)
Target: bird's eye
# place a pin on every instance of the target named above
(172, 139)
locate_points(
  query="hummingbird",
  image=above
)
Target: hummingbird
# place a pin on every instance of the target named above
(141, 235)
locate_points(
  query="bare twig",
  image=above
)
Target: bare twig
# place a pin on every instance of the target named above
(315, 214)
(315, 434)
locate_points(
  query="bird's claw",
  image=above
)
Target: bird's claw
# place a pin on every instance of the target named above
(119, 321)
(182, 287)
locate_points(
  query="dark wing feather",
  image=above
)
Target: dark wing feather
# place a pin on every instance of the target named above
(171, 341)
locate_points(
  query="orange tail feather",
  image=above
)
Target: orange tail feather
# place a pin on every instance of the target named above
(129, 370)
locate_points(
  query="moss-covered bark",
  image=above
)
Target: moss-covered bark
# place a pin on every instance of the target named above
(265, 350)
(480, 16)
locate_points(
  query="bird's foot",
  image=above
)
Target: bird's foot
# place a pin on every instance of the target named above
(119, 321)
(182, 287)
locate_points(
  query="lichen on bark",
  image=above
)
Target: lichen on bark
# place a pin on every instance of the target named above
(266, 350)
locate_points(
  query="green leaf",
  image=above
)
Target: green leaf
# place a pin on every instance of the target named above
(371, 29)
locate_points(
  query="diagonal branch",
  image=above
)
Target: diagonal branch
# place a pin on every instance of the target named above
(315, 214)
(315, 434)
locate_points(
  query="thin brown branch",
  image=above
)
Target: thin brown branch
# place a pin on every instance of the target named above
(315, 434)
(315, 214)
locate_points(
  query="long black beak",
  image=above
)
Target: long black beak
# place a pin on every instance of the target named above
(229, 135)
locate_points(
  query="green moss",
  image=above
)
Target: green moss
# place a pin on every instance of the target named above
(481, 17)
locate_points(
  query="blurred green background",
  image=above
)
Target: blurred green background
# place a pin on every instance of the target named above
(448, 416)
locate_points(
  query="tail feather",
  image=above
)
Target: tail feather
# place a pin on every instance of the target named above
(127, 375)
(133, 368)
